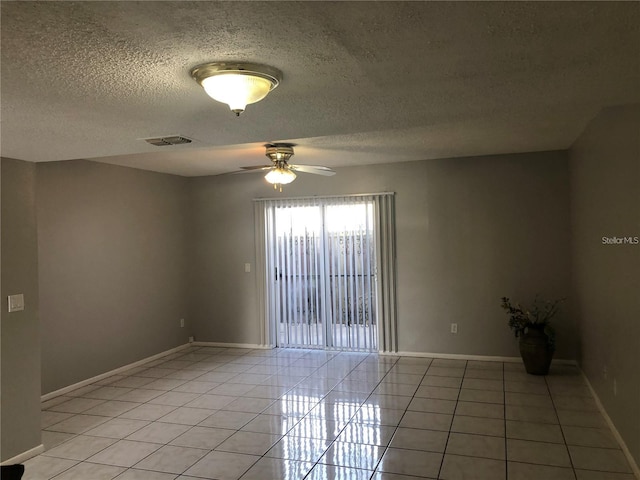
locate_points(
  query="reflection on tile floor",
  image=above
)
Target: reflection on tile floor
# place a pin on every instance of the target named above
(227, 414)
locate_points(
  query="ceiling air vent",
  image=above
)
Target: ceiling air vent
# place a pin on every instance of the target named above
(164, 141)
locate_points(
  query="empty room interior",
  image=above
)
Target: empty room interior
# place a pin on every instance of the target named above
(300, 276)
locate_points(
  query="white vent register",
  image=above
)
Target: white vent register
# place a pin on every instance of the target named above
(168, 140)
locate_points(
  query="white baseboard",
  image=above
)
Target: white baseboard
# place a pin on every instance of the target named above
(614, 430)
(24, 456)
(453, 356)
(484, 358)
(232, 345)
(102, 376)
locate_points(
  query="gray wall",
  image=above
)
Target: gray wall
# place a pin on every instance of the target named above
(20, 333)
(112, 250)
(605, 201)
(469, 231)
(123, 254)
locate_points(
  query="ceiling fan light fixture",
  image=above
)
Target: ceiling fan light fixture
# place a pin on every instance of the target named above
(237, 84)
(280, 176)
(280, 171)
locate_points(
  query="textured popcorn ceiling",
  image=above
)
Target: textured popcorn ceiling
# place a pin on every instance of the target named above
(364, 82)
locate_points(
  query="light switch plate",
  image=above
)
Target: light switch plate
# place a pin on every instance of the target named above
(247, 268)
(16, 302)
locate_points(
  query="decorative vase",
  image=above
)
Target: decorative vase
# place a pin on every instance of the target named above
(535, 351)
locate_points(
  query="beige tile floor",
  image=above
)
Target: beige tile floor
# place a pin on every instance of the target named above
(226, 414)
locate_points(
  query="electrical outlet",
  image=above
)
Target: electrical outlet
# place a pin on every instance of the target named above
(615, 388)
(182, 323)
(247, 268)
(454, 328)
(191, 340)
(605, 373)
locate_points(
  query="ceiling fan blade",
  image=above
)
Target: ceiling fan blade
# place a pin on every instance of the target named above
(252, 169)
(315, 169)
(257, 167)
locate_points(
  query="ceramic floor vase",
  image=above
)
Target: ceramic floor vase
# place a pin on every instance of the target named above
(535, 351)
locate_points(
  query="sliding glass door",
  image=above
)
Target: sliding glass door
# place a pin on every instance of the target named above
(324, 269)
(322, 264)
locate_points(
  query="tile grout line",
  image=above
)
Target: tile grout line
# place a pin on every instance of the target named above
(301, 418)
(564, 439)
(466, 363)
(86, 460)
(323, 392)
(168, 444)
(260, 413)
(281, 436)
(386, 448)
(59, 474)
(305, 416)
(192, 426)
(345, 426)
(150, 422)
(504, 412)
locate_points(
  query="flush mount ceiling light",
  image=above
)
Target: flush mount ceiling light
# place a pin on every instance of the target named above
(237, 84)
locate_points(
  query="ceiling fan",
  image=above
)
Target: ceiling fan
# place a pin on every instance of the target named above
(281, 172)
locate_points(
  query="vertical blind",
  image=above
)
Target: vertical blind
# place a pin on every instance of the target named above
(326, 272)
